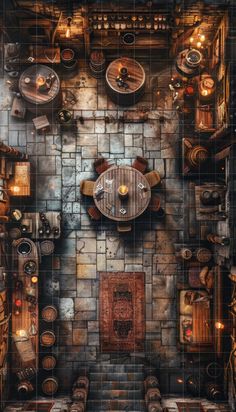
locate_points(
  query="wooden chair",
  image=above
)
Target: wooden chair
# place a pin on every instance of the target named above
(124, 227)
(94, 213)
(153, 178)
(155, 203)
(101, 165)
(86, 187)
(140, 164)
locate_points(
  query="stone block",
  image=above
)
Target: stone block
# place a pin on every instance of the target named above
(86, 271)
(116, 143)
(80, 337)
(168, 337)
(84, 288)
(163, 309)
(66, 309)
(89, 152)
(85, 304)
(115, 265)
(164, 286)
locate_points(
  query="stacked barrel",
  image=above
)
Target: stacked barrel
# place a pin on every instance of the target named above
(152, 394)
(79, 394)
(49, 384)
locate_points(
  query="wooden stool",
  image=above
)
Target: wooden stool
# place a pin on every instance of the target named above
(86, 187)
(41, 124)
(140, 164)
(124, 227)
(18, 108)
(155, 204)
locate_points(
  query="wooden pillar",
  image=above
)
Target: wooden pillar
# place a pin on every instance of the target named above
(11, 152)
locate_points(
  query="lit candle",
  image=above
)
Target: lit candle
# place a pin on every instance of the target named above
(123, 72)
(41, 82)
(219, 326)
(123, 191)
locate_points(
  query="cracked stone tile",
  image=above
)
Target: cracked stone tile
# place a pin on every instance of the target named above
(163, 286)
(103, 142)
(133, 128)
(88, 127)
(84, 288)
(66, 308)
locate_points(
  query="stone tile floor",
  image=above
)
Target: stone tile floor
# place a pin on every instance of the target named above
(61, 161)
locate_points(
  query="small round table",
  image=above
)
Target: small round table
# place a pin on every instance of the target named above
(40, 96)
(133, 85)
(108, 200)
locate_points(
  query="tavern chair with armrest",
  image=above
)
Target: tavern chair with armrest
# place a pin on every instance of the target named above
(140, 163)
(153, 178)
(86, 187)
(101, 165)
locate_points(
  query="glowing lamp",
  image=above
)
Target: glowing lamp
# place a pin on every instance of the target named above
(18, 303)
(180, 380)
(202, 38)
(123, 191)
(21, 333)
(191, 40)
(219, 326)
(199, 44)
(15, 189)
(68, 29)
(34, 279)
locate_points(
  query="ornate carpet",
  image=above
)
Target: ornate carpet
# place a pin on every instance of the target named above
(122, 310)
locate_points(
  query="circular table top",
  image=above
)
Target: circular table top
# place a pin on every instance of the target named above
(135, 71)
(108, 201)
(28, 86)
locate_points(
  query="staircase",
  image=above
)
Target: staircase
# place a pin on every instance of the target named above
(116, 387)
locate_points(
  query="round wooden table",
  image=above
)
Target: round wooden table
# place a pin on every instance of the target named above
(40, 97)
(134, 84)
(109, 202)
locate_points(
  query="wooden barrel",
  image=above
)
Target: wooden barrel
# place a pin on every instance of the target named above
(68, 60)
(125, 81)
(186, 254)
(48, 362)
(24, 388)
(47, 338)
(50, 386)
(152, 395)
(203, 255)
(214, 370)
(197, 156)
(155, 407)
(214, 391)
(81, 382)
(151, 382)
(77, 407)
(97, 63)
(49, 313)
(47, 247)
(80, 395)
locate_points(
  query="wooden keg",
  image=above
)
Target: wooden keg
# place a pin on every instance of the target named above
(47, 247)
(47, 338)
(214, 391)
(214, 370)
(80, 395)
(77, 407)
(151, 382)
(203, 255)
(48, 362)
(81, 382)
(97, 63)
(125, 89)
(24, 388)
(152, 395)
(197, 155)
(155, 407)
(49, 313)
(185, 253)
(50, 386)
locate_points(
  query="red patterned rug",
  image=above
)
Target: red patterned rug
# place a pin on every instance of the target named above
(39, 406)
(122, 310)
